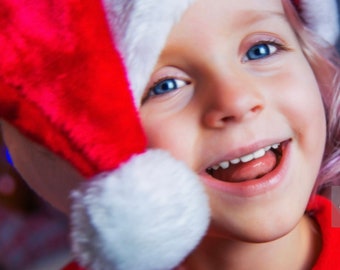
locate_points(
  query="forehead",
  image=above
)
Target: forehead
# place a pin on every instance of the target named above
(205, 23)
(233, 12)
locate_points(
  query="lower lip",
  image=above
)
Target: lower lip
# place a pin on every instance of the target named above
(255, 187)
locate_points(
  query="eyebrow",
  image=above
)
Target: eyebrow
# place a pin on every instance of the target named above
(249, 17)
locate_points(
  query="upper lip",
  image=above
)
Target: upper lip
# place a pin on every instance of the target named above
(242, 151)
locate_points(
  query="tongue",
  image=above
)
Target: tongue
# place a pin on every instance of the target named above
(249, 170)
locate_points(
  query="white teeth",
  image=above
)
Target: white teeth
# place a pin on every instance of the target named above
(275, 146)
(267, 148)
(235, 161)
(224, 164)
(260, 153)
(246, 158)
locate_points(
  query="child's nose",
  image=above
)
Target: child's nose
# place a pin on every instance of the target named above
(232, 100)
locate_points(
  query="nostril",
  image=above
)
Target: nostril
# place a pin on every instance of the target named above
(256, 109)
(233, 107)
(216, 119)
(227, 119)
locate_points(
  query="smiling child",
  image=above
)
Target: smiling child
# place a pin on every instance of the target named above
(218, 157)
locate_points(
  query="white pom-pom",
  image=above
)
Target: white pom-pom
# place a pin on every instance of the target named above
(149, 214)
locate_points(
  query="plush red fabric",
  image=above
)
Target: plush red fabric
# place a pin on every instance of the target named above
(63, 83)
(321, 209)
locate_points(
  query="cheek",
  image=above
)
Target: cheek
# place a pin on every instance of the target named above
(298, 96)
(300, 103)
(175, 134)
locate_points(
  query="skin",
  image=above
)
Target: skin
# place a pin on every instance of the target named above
(47, 174)
(225, 104)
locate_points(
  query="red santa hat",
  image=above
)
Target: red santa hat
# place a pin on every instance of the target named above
(72, 74)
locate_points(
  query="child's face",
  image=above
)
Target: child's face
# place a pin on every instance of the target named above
(232, 80)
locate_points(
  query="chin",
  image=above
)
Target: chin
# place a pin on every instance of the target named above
(254, 229)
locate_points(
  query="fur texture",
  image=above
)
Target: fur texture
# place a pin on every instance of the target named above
(63, 83)
(140, 28)
(147, 215)
(66, 70)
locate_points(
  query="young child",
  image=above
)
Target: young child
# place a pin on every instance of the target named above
(235, 138)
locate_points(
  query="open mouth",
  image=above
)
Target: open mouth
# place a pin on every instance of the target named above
(249, 167)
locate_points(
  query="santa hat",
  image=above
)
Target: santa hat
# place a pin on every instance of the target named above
(66, 70)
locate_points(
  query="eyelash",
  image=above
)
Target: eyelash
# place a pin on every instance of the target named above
(273, 42)
(152, 89)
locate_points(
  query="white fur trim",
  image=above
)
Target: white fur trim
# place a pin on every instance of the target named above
(140, 29)
(147, 215)
(322, 17)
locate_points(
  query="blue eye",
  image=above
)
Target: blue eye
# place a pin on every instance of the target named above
(166, 86)
(260, 51)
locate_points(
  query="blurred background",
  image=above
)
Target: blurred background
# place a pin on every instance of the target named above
(33, 235)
